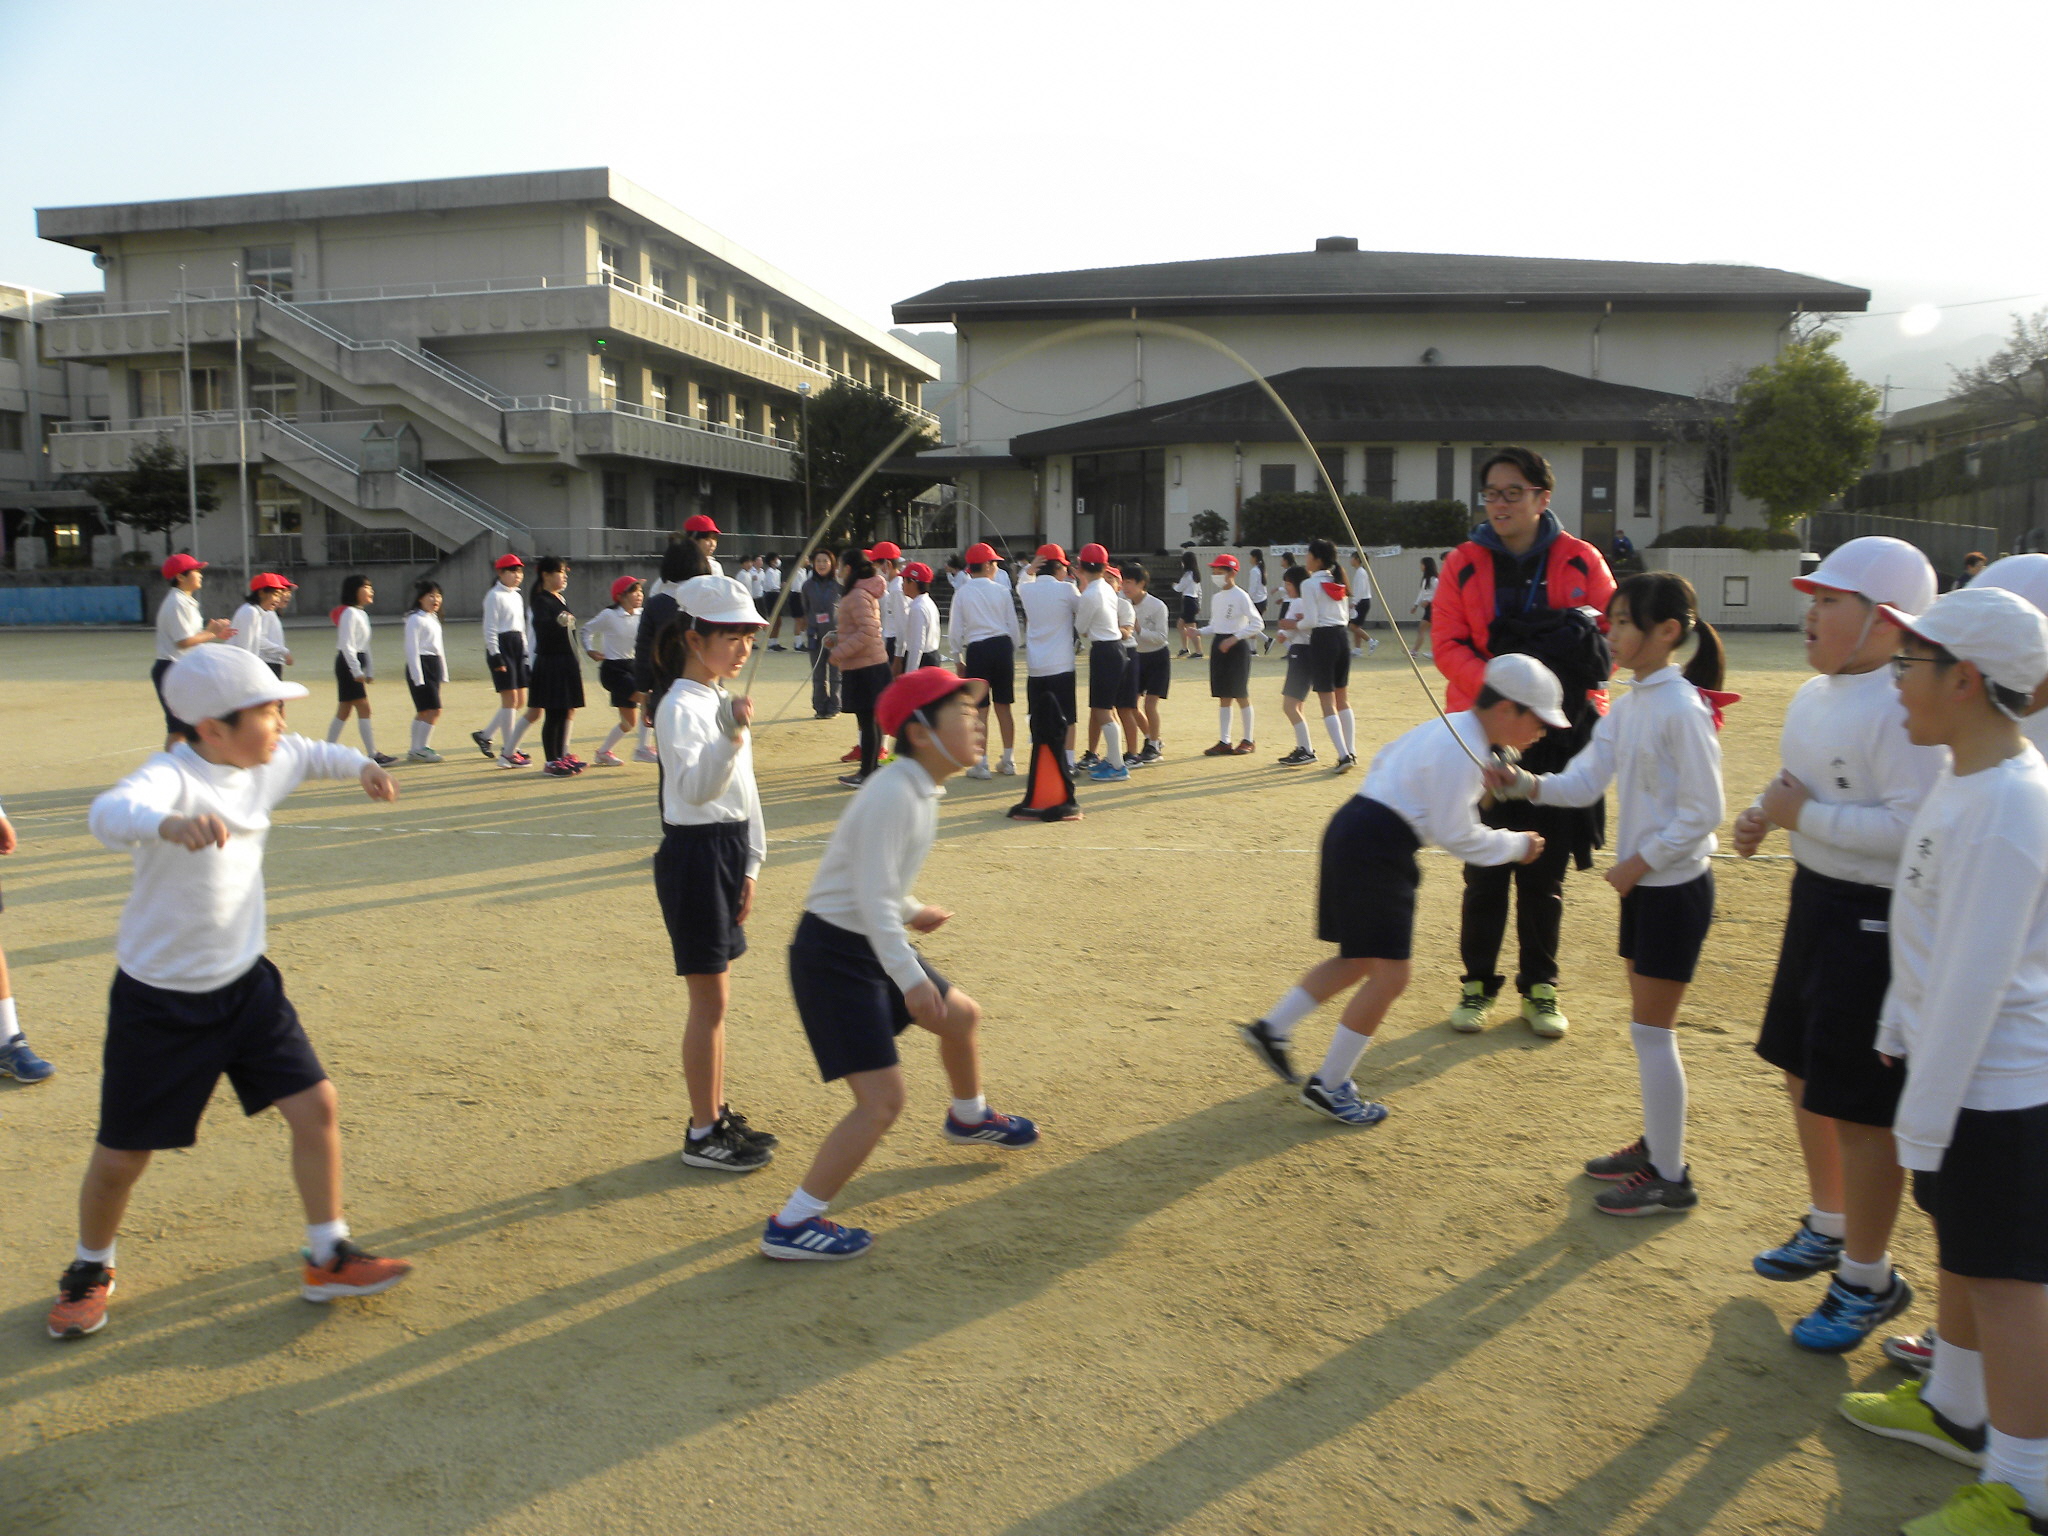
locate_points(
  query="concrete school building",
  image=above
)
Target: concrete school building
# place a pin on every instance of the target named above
(560, 362)
(41, 524)
(1406, 369)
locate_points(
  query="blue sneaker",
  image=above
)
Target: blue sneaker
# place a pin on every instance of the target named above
(1803, 1255)
(1341, 1103)
(996, 1131)
(1102, 773)
(1848, 1315)
(814, 1239)
(22, 1064)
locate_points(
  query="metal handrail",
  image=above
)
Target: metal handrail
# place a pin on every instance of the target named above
(365, 414)
(693, 423)
(473, 507)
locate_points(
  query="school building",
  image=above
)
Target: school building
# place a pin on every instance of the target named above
(40, 523)
(560, 361)
(1406, 370)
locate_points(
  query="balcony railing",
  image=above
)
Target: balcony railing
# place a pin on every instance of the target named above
(363, 414)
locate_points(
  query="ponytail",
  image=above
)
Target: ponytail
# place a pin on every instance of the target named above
(1651, 597)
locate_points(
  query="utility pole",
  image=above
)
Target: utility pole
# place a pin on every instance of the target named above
(185, 399)
(242, 432)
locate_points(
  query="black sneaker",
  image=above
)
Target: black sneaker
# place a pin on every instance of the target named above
(382, 759)
(483, 743)
(1296, 758)
(1087, 760)
(726, 1150)
(1260, 1040)
(738, 1122)
(1151, 754)
(1624, 1164)
(1649, 1193)
(1346, 763)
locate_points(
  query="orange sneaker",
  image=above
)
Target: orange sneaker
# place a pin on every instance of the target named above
(351, 1273)
(82, 1292)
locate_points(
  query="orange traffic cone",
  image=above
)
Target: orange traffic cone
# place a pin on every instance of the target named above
(1049, 791)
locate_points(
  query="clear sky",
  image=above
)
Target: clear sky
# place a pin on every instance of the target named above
(876, 149)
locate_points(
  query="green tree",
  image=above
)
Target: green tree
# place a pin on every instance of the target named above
(1804, 430)
(849, 424)
(151, 493)
(2014, 378)
(1208, 528)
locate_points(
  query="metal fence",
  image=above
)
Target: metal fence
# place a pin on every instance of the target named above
(1944, 544)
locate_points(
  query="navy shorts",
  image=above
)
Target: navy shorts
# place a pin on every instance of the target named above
(1296, 686)
(1365, 889)
(348, 688)
(510, 670)
(1155, 672)
(1059, 687)
(1105, 674)
(994, 661)
(1820, 1025)
(172, 724)
(700, 879)
(1361, 610)
(851, 1011)
(1329, 658)
(616, 678)
(167, 1050)
(1190, 608)
(1230, 670)
(1664, 926)
(1989, 1202)
(426, 696)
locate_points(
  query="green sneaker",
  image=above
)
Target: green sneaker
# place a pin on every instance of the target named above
(1900, 1415)
(1469, 1017)
(1541, 1013)
(1979, 1509)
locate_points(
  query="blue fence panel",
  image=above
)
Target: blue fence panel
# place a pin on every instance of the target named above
(70, 605)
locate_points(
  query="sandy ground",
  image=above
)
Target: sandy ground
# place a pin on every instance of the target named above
(1193, 1308)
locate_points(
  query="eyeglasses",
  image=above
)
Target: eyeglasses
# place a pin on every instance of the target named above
(1901, 662)
(1512, 495)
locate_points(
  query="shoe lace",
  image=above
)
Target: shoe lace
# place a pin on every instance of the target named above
(79, 1279)
(1541, 1004)
(1640, 1178)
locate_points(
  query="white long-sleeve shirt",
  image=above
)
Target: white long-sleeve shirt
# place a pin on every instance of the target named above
(1151, 624)
(611, 633)
(1255, 584)
(423, 638)
(1323, 610)
(1658, 746)
(1189, 585)
(1845, 739)
(260, 632)
(1426, 779)
(706, 776)
(1095, 612)
(894, 606)
(1424, 596)
(982, 610)
(505, 613)
(1126, 619)
(352, 639)
(863, 881)
(1049, 605)
(1968, 1005)
(1297, 610)
(194, 922)
(177, 618)
(920, 629)
(1231, 613)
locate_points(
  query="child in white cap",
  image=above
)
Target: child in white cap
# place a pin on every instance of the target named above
(1423, 788)
(1967, 1015)
(1850, 786)
(193, 997)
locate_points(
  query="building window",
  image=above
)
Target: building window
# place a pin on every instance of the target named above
(608, 384)
(275, 390)
(279, 509)
(10, 431)
(660, 279)
(1446, 473)
(659, 387)
(269, 267)
(10, 340)
(1379, 473)
(711, 301)
(615, 503)
(1276, 478)
(1644, 460)
(711, 406)
(667, 498)
(1332, 462)
(68, 536)
(611, 259)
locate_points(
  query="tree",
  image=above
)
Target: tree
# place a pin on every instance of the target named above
(151, 493)
(2013, 379)
(849, 424)
(1208, 528)
(1805, 427)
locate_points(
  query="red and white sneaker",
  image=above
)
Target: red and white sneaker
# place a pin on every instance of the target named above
(82, 1292)
(351, 1272)
(646, 755)
(560, 769)
(609, 760)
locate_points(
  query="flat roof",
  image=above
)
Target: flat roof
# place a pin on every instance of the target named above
(1344, 279)
(88, 226)
(1409, 404)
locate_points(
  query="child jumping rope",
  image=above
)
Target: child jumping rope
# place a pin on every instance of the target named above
(353, 671)
(608, 640)
(1327, 596)
(179, 627)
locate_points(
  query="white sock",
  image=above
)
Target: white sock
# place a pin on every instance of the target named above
(334, 728)
(800, 1207)
(612, 738)
(419, 734)
(1009, 757)
(1874, 1276)
(2021, 1464)
(321, 1236)
(426, 734)
(1113, 745)
(645, 731)
(1290, 1011)
(1249, 733)
(9, 1027)
(1350, 728)
(1662, 1076)
(1827, 1223)
(519, 725)
(568, 740)
(1955, 1387)
(1336, 729)
(699, 1132)
(1301, 736)
(1341, 1060)
(971, 1111)
(369, 734)
(1223, 722)
(97, 1255)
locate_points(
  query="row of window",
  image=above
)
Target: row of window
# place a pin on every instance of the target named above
(14, 430)
(157, 391)
(1601, 469)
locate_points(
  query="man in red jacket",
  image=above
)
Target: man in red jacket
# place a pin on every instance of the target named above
(1521, 583)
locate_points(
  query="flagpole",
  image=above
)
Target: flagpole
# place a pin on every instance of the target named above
(185, 397)
(242, 431)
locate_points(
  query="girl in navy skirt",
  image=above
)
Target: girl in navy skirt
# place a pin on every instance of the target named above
(353, 672)
(557, 689)
(1294, 634)
(426, 668)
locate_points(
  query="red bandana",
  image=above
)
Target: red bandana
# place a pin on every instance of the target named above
(1336, 591)
(1718, 701)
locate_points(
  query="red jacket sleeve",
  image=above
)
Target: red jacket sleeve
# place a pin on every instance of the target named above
(1457, 638)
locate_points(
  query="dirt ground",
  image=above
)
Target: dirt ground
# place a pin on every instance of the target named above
(1194, 1307)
